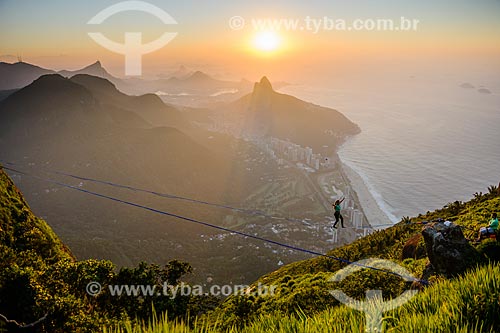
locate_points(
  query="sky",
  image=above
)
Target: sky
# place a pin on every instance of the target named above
(451, 35)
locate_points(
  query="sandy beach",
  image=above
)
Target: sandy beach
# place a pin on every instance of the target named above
(375, 216)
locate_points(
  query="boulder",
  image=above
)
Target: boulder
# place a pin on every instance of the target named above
(450, 254)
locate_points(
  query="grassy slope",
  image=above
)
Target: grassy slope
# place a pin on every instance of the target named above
(27, 247)
(302, 302)
(38, 274)
(301, 284)
(467, 304)
(21, 231)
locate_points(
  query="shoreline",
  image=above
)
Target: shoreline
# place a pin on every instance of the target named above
(374, 215)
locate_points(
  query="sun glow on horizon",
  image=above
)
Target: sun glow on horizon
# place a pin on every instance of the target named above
(267, 41)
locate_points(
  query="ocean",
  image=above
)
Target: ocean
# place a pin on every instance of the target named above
(424, 142)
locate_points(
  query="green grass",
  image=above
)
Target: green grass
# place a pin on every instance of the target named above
(38, 275)
(304, 285)
(470, 303)
(467, 304)
(21, 231)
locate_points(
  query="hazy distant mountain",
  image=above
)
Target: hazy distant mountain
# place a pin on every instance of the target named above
(181, 73)
(94, 69)
(85, 126)
(20, 74)
(63, 122)
(197, 89)
(200, 78)
(148, 106)
(197, 83)
(182, 87)
(467, 85)
(484, 91)
(480, 89)
(265, 112)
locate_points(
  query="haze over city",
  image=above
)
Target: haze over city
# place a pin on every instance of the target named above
(249, 166)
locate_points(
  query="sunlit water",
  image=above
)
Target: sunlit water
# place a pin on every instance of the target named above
(423, 144)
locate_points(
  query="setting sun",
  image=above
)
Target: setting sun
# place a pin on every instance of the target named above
(208, 166)
(267, 41)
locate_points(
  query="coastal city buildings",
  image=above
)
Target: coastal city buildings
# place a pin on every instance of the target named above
(304, 157)
(289, 154)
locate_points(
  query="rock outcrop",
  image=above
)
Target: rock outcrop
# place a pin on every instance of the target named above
(450, 254)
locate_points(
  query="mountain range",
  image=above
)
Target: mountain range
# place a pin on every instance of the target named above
(62, 123)
(86, 126)
(183, 82)
(17, 75)
(267, 113)
(94, 69)
(20, 74)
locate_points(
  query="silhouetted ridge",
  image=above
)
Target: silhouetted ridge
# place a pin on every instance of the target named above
(265, 84)
(20, 74)
(52, 88)
(50, 78)
(262, 95)
(148, 106)
(94, 82)
(96, 67)
(263, 87)
(268, 113)
(95, 64)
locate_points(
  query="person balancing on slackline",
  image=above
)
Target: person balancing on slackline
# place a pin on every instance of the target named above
(338, 216)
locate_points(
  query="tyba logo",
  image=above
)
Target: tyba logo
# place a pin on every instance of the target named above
(374, 306)
(132, 48)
